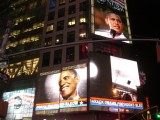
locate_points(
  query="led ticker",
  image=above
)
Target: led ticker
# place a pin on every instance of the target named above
(113, 104)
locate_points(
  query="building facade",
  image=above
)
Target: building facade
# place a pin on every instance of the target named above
(49, 37)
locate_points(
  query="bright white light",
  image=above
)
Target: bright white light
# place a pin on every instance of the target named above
(93, 70)
(124, 70)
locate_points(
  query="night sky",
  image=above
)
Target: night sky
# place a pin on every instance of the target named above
(144, 22)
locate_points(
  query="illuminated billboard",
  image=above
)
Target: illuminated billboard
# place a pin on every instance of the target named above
(108, 19)
(62, 90)
(20, 103)
(125, 72)
(104, 93)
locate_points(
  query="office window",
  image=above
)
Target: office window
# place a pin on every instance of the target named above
(61, 12)
(70, 54)
(82, 34)
(82, 19)
(72, 0)
(59, 39)
(72, 9)
(70, 36)
(46, 59)
(83, 51)
(62, 2)
(48, 41)
(52, 4)
(51, 16)
(71, 22)
(83, 6)
(60, 25)
(49, 29)
(57, 56)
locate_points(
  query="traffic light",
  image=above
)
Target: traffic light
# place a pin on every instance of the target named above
(158, 115)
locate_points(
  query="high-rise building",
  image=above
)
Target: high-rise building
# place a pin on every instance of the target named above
(27, 19)
(51, 37)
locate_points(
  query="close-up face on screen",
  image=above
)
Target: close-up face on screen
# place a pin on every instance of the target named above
(110, 19)
(63, 89)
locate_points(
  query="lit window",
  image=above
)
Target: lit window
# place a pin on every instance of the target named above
(48, 41)
(82, 34)
(59, 39)
(50, 28)
(82, 19)
(62, 2)
(71, 22)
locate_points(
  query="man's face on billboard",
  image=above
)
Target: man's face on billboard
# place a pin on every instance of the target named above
(114, 21)
(68, 83)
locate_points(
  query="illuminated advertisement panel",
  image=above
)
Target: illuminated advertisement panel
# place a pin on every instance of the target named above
(109, 19)
(20, 103)
(125, 73)
(105, 95)
(62, 90)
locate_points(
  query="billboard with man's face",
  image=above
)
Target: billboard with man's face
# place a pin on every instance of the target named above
(62, 90)
(109, 19)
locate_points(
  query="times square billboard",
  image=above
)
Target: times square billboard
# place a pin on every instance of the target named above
(20, 103)
(109, 19)
(95, 87)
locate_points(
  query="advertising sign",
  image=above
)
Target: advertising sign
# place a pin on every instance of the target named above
(62, 90)
(20, 103)
(109, 19)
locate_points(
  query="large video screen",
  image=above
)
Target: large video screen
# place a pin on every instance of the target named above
(125, 72)
(104, 94)
(20, 103)
(62, 90)
(109, 19)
